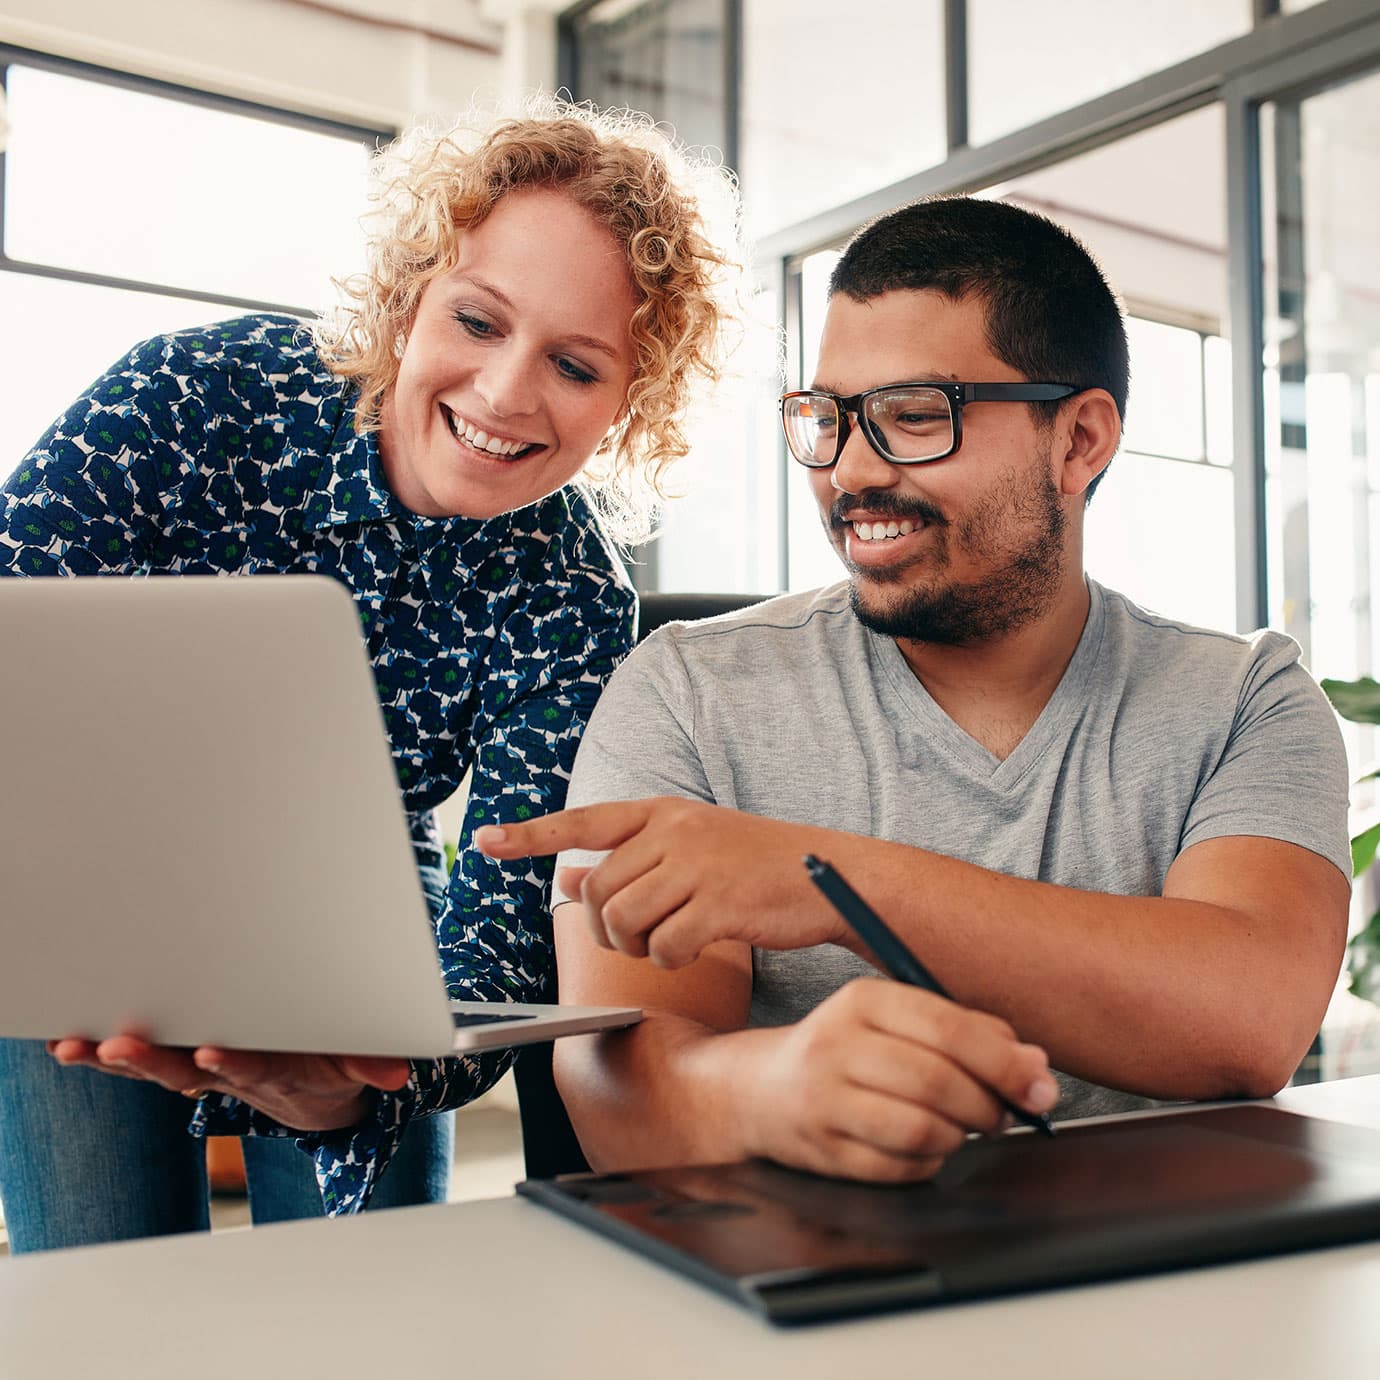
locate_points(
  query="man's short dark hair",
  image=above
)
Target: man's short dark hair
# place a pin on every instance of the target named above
(1050, 312)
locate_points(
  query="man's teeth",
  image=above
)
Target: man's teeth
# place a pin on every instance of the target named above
(481, 440)
(880, 531)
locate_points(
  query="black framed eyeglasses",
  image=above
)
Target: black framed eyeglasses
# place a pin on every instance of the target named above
(905, 423)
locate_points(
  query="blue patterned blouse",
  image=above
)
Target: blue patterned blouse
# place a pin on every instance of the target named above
(230, 450)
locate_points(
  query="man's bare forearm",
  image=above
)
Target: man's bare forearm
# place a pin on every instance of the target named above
(1167, 996)
(667, 1091)
(1214, 988)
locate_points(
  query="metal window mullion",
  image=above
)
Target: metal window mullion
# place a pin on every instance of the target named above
(1340, 30)
(1173, 459)
(105, 280)
(1245, 297)
(4, 104)
(956, 74)
(1361, 536)
(733, 81)
(792, 322)
(191, 95)
(1202, 396)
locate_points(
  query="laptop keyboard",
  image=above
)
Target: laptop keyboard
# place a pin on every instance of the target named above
(464, 1018)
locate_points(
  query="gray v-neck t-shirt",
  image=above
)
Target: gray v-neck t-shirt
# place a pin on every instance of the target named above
(1159, 735)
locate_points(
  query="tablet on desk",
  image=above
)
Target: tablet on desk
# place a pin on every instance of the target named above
(201, 832)
(1103, 1201)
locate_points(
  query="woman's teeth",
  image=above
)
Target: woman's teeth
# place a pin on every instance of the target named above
(880, 531)
(481, 440)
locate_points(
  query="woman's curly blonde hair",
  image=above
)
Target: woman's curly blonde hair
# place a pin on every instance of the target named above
(676, 220)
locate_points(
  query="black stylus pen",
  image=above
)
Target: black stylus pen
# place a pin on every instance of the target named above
(895, 957)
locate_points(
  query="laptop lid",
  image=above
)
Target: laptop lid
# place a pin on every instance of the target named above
(1103, 1200)
(201, 835)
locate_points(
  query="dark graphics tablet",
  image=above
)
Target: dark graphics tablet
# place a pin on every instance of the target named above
(1103, 1201)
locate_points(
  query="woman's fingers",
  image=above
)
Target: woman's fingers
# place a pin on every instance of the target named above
(134, 1057)
(306, 1091)
(388, 1074)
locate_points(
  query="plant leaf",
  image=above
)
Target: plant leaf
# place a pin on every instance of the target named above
(1363, 960)
(1357, 700)
(1363, 848)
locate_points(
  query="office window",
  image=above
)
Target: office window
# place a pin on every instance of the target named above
(1322, 371)
(1322, 438)
(130, 210)
(671, 58)
(722, 530)
(1027, 61)
(1160, 526)
(811, 558)
(837, 102)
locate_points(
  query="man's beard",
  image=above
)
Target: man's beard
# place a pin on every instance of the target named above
(1017, 592)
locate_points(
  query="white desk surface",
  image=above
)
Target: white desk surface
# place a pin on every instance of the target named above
(504, 1288)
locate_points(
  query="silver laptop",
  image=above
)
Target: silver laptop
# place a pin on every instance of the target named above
(201, 835)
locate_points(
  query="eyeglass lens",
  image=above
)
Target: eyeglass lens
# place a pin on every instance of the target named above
(910, 423)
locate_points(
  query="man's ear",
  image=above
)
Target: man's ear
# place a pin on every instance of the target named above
(1090, 428)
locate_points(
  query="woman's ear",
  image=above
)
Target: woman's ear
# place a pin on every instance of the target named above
(1091, 428)
(616, 429)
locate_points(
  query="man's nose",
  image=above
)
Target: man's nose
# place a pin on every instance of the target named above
(859, 467)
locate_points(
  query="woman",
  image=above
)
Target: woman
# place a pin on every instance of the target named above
(537, 303)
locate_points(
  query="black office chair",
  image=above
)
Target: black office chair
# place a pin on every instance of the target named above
(549, 1143)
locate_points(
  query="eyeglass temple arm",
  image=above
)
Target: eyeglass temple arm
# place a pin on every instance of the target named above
(1017, 392)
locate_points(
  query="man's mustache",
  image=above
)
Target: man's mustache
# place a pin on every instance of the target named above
(884, 504)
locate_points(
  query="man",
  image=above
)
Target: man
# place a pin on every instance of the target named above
(1118, 842)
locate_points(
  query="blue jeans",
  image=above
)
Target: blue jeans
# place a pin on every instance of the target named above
(86, 1157)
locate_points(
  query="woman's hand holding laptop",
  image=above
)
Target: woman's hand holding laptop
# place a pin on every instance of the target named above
(308, 1092)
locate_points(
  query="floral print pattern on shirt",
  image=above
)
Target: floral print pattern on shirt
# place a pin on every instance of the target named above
(231, 450)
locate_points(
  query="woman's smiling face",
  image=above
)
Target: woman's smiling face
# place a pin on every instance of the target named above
(517, 364)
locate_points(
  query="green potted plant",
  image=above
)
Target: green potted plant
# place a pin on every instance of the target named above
(1359, 702)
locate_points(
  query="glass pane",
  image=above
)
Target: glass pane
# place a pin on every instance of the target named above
(723, 534)
(71, 334)
(1031, 60)
(241, 205)
(1217, 399)
(1322, 331)
(1155, 530)
(836, 102)
(1165, 413)
(812, 560)
(665, 59)
(1322, 436)
(1151, 207)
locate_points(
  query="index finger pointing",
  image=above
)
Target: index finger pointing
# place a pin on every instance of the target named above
(596, 827)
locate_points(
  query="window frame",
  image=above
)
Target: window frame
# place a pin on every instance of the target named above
(13, 56)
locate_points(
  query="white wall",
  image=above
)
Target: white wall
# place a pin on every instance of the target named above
(322, 58)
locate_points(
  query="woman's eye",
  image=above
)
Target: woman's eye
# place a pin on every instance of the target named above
(575, 372)
(475, 325)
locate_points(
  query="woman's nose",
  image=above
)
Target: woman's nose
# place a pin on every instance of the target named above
(506, 382)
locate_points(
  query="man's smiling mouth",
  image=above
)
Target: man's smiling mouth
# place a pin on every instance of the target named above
(476, 438)
(884, 530)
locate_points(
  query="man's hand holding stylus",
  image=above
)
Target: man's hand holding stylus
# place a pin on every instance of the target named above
(881, 1082)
